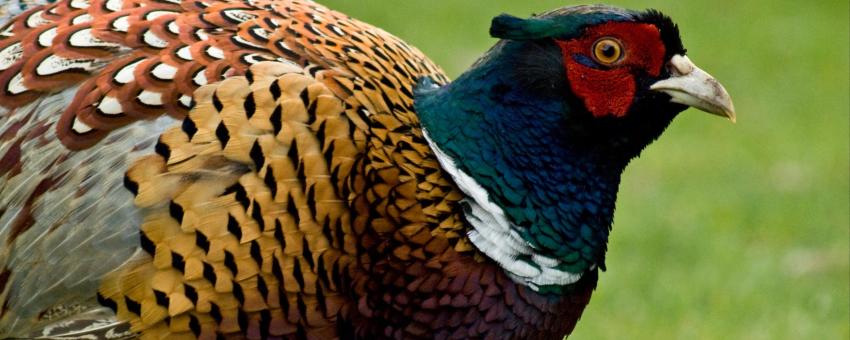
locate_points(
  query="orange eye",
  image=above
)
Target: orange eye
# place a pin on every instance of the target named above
(607, 51)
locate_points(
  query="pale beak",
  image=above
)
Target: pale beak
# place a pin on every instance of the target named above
(689, 85)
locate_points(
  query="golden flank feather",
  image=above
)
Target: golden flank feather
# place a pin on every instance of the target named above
(240, 212)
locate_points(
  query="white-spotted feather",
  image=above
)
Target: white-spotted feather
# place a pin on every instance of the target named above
(81, 19)
(45, 39)
(16, 85)
(150, 98)
(154, 40)
(36, 19)
(110, 106)
(126, 74)
(121, 24)
(11, 55)
(84, 38)
(164, 71)
(55, 64)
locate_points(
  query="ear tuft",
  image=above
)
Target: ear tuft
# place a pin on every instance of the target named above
(503, 25)
(506, 26)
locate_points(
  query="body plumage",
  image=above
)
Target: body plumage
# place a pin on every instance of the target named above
(277, 169)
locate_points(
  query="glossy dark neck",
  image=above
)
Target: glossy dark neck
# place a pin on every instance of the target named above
(511, 123)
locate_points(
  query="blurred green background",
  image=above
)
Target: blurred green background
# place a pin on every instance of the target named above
(722, 231)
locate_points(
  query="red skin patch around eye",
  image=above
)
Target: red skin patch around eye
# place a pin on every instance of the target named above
(610, 91)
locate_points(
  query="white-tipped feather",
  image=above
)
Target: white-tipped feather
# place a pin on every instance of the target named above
(84, 38)
(55, 64)
(125, 75)
(110, 106)
(36, 19)
(81, 19)
(121, 24)
(45, 39)
(10, 55)
(154, 40)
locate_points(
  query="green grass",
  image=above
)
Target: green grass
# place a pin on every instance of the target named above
(722, 231)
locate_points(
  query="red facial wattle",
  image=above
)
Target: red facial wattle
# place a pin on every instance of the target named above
(609, 90)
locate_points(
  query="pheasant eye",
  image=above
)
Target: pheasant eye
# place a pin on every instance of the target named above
(607, 51)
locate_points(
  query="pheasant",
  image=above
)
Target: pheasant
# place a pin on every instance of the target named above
(276, 169)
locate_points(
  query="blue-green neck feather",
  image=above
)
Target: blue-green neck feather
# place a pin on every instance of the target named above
(510, 136)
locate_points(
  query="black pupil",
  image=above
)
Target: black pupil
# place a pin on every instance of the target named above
(608, 50)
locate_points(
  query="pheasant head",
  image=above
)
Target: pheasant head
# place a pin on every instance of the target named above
(539, 130)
